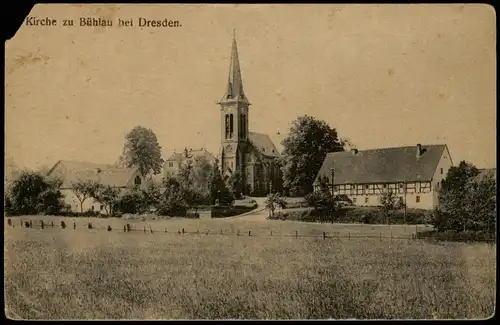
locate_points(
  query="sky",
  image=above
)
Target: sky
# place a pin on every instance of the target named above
(382, 75)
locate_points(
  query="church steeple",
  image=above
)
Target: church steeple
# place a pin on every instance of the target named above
(235, 83)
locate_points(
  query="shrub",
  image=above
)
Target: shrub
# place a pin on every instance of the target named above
(228, 211)
(452, 235)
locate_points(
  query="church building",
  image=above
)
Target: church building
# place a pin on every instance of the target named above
(253, 155)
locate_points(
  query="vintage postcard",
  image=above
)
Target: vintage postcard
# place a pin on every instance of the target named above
(252, 161)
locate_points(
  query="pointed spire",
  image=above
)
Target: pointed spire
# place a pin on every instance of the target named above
(235, 82)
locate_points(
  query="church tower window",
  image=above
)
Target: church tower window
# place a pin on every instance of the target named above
(227, 126)
(231, 126)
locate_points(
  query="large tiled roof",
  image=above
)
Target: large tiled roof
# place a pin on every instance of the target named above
(388, 165)
(263, 143)
(84, 171)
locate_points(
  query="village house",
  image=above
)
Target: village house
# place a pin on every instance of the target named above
(414, 174)
(173, 164)
(70, 172)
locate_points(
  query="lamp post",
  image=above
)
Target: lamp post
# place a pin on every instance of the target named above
(332, 171)
(404, 191)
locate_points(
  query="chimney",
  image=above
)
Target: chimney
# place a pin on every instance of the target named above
(354, 152)
(419, 150)
(98, 170)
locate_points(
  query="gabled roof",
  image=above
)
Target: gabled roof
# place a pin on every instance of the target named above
(105, 174)
(181, 156)
(388, 165)
(263, 143)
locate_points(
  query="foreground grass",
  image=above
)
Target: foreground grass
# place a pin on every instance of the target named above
(67, 274)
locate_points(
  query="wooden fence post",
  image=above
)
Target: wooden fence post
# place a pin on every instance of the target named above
(124, 228)
(63, 224)
(380, 236)
(150, 229)
(179, 232)
(52, 224)
(183, 231)
(249, 233)
(296, 234)
(238, 233)
(391, 236)
(20, 220)
(42, 224)
(271, 233)
(324, 235)
(31, 224)
(165, 230)
(144, 229)
(198, 231)
(109, 228)
(221, 232)
(74, 225)
(208, 231)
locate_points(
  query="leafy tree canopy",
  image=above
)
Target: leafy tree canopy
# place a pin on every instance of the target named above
(143, 151)
(305, 149)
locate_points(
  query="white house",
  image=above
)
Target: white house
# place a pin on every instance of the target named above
(413, 173)
(71, 171)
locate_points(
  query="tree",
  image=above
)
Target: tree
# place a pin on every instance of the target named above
(173, 201)
(455, 213)
(235, 183)
(83, 190)
(30, 194)
(218, 189)
(480, 203)
(274, 201)
(305, 149)
(321, 199)
(389, 202)
(107, 196)
(142, 150)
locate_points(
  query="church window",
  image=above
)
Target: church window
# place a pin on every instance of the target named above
(227, 126)
(231, 127)
(137, 180)
(170, 164)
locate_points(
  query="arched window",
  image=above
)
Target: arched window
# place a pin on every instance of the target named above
(231, 126)
(137, 180)
(244, 125)
(227, 126)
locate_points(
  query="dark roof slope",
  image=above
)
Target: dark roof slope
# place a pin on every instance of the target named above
(85, 171)
(180, 156)
(388, 165)
(263, 143)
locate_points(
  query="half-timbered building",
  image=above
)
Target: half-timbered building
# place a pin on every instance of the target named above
(414, 174)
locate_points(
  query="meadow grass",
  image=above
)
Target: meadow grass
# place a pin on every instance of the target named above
(95, 274)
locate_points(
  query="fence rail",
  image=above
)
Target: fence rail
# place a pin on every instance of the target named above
(41, 225)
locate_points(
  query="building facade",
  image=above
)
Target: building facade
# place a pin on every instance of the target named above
(414, 174)
(70, 172)
(173, 164)
(251, 154)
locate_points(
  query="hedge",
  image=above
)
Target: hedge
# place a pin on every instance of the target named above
(229, 211)
(358, 215)
(88, 214)
(462, 236)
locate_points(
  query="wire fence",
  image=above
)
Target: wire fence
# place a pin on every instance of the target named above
(147, 229)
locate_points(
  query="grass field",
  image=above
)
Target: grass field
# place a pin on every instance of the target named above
(95, 274)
